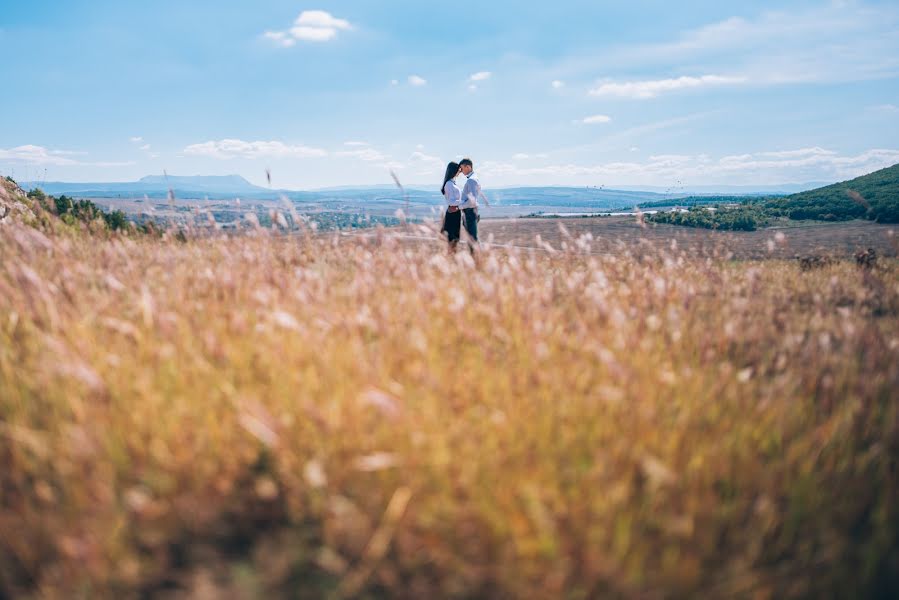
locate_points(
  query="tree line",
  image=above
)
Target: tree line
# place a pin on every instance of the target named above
(72, 211)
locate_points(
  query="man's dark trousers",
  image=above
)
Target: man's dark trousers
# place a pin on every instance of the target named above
(471, 222)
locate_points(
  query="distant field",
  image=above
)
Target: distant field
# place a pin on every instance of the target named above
(611, 233)
(618, 235)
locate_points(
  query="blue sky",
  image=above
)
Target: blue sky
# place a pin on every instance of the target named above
(338, 93)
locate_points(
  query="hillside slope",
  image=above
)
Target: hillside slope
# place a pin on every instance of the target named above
(874, 196)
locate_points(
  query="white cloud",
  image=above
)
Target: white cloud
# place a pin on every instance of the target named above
(759, 168)
(279, 38)
(557, 84)
(416, 81)
(472, 88)
(394, 82)
(394, 165)
(313, 34)
(520, 156)
(322, 19)
(419, 156)
(597, 119)
(424, 164)
(39, 155)
(145, 147)
(366, 154)
(801, 152)
(885, 108)
(481, 76)
(355, 143)
(136, 139)
(651, 89)
(231, 148)
(310, 26)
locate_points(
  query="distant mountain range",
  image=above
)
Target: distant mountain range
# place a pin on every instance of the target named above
(230, 186)
(234, 186)
(155, 185)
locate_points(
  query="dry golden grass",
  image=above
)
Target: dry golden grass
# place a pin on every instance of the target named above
(281, 417)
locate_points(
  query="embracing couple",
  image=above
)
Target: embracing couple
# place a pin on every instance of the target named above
(462, 204)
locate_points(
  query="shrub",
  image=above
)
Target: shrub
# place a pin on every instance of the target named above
(37, 194)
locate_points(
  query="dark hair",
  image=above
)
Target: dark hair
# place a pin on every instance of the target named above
(452, 170)
(466, 161)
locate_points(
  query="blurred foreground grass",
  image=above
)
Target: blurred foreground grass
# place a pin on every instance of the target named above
(273, 417)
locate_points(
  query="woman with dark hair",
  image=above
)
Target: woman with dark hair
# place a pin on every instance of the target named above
(452, 220)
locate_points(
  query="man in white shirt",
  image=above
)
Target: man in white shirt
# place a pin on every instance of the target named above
(470, 195)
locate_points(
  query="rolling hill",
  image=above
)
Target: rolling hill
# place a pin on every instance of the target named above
(874, 196)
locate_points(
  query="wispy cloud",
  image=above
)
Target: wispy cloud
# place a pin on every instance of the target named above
(419, 156)
(801, 152)
(280, 38)
(557, 84)
(39, 155)
(136, 139)
(780, 166)
(424, 164)
(364, 154)
(416, 81)
(476, 78)
(597, 119)
(651, 89)
(819, 43)
(232, 148)
(831, 42)
(310, 26)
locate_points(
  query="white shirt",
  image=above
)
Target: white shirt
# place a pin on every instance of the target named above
(452, 194)
(471, 192)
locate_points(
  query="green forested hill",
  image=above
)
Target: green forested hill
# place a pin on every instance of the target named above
(874, 196)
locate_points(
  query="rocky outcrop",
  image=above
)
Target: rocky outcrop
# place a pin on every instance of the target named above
(13, 206)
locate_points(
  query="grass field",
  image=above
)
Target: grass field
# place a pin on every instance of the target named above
(618, 235)
(615, 234)
(356, 416)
